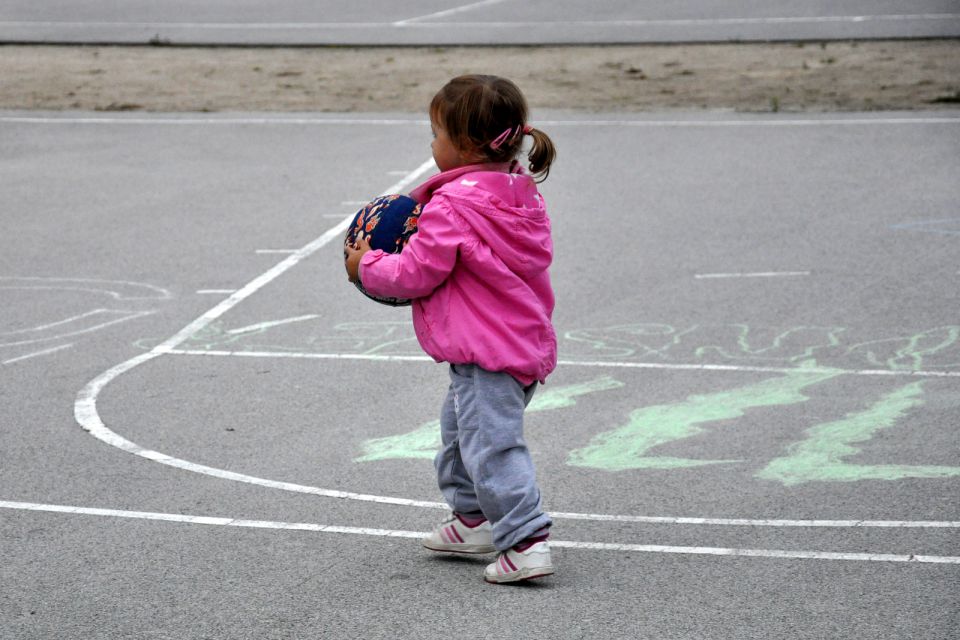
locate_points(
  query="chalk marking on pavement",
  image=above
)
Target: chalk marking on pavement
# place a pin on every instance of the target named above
(576, 363)
(758, 274)
(124, 316)
(192, 121)
(208, 291)
(47, 283)
(58, 323)
(391, 533)
(271, 251)
(37, 353)
(272, 323)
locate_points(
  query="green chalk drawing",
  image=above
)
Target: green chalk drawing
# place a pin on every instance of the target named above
(936, 348)
(737, 342)
(548, 398)
(424, 441)
(796, 344)
(626, 447)
(821, 456)
(907, 353)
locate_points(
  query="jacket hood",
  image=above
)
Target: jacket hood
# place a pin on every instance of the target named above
(501, 204)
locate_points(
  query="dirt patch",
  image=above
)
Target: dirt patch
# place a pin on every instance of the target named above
(834, 76)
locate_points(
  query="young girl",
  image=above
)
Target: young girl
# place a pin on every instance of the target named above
(476, 271)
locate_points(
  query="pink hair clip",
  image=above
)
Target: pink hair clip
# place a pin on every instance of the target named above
(510, 134)
(500, 139)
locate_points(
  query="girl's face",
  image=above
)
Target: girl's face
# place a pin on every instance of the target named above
(445, 153)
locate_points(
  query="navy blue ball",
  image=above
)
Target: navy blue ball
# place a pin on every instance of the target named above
(387, 222)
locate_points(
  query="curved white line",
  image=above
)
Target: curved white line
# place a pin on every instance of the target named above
(86, 414)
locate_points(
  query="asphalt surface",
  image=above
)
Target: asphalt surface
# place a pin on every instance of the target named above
(434, 22)
(186, 369)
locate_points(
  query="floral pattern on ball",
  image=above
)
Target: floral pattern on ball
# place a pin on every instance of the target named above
(387, 223)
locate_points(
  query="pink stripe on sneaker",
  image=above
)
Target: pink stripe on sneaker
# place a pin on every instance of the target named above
(455, 534)
(506, 560)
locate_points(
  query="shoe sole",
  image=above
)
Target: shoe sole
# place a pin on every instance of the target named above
(521, 575)
(469, 549)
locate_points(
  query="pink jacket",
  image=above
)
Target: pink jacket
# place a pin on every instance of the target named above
(477, 272)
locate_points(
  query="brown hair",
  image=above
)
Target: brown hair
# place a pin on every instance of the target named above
(477, 110)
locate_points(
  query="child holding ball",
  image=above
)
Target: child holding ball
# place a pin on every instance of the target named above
(477, 272)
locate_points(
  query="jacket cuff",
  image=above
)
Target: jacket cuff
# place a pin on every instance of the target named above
(368, 277)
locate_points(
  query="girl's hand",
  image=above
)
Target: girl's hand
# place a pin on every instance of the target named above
(352, 256)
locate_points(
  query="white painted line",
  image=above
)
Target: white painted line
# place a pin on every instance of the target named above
(448, 12)
(759, 122)
(208, 520)
(758, 553)
(765, 121)
(578, 363)
(472, 26)
(292, 354)
(749, 369)
(759, 274)
(400, 172)
(37, 353)
(269, 120)
(564, 544)
(696, 21)
(271, 251)
(220, 291)
(763, 522)
(271, 323)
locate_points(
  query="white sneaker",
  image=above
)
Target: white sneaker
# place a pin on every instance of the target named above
(513, 565)
(453, 536)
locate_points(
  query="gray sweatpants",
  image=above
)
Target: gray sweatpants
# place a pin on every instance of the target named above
(484, 466)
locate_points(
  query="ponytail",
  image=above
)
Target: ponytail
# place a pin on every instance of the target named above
(542, 154)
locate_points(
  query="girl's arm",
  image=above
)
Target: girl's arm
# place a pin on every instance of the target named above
(423, 265)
